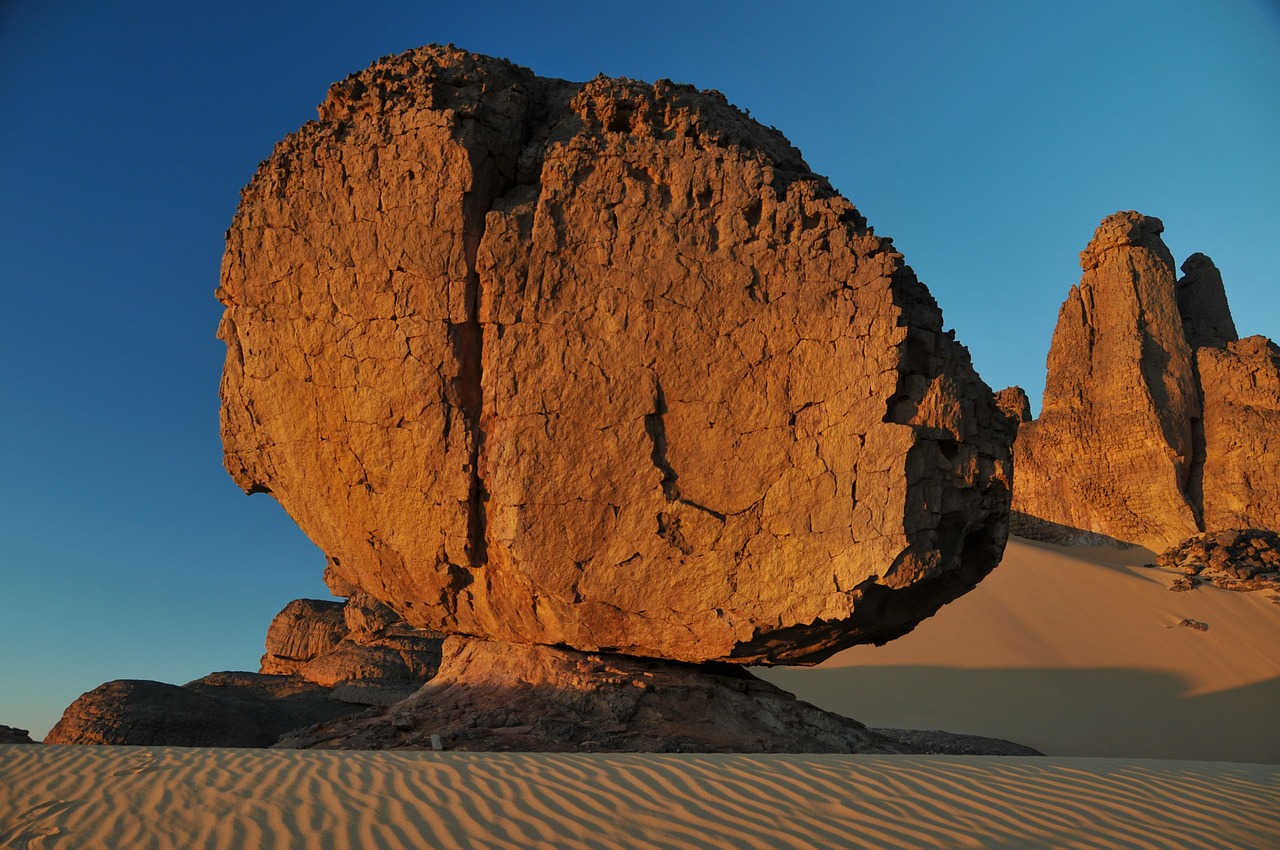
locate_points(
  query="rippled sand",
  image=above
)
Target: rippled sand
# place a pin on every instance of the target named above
(142, 797)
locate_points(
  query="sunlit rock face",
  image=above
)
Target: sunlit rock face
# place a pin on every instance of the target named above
(598, 365)
(1158, 423)
(1241, 476)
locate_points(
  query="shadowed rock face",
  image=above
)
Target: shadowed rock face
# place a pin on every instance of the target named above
(601, 365)
(1202, 303)
(1158, 422)
(221, 710)
(14, 735)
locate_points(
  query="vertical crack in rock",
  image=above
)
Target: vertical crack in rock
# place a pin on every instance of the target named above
(1195, 475)
(655, 426)
(467, 338)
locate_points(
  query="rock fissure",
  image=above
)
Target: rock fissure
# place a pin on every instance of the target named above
(655, 427)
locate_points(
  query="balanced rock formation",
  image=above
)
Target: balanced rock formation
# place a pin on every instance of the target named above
(598, 365)
(1157, 423)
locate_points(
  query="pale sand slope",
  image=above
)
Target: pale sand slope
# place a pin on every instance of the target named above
(1074, 652)
(159, 798)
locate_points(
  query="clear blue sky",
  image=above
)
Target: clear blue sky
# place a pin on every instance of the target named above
(987, 138)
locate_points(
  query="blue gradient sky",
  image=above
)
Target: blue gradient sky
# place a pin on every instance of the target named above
(987, 138)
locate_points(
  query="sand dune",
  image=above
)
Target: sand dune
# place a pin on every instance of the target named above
(139, 798)
(1076, 652)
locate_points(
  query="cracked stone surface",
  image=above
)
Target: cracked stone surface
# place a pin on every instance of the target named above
(600, 365)
(1158, 423)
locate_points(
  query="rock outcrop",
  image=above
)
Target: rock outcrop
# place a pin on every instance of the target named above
(146, 713)
(1244, 559)
(1157, 422)
(324, 660)
(304, 630)
(14, 735)
(231, 709)
(1015, 404)
(330, 643)
(598, 365)
(498, 697)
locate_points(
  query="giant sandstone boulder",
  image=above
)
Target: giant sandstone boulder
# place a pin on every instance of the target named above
(600, 365)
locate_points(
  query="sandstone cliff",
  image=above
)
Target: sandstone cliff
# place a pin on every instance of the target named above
(600, 365)
(1157, 422)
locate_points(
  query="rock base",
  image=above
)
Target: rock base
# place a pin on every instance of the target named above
(491, 696)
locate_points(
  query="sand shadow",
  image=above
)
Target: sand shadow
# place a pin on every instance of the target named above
(1097, 712)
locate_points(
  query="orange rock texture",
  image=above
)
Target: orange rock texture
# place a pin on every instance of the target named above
(1241, 475)
(600, 365)
(1157, 423)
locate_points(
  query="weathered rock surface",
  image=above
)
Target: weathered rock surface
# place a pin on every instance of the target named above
(1241, 475)
(14, 735)
(231, 709)
(1236, 559)
(332, 642)
(1157, 422)
(305, 629)
(498, 697)
(601, 365)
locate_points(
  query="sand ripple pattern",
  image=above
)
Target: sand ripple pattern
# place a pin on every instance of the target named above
(211, 799)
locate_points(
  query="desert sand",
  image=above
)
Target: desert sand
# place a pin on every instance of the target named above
(1076, 652)
(158, 798)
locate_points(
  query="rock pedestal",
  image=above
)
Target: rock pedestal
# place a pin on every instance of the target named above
(498, 697)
